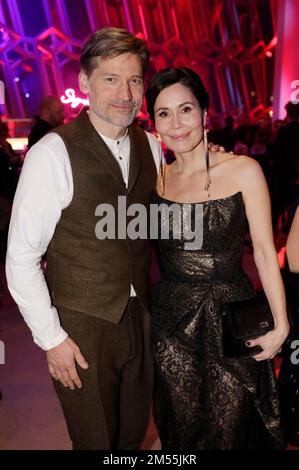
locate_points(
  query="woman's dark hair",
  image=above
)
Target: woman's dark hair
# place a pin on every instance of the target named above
(171, 75)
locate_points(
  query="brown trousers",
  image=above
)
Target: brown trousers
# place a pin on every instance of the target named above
(112, 409)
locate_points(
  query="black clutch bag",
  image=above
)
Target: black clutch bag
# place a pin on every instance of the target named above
(244, 320)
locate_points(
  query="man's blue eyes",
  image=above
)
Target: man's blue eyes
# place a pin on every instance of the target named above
(134, 81)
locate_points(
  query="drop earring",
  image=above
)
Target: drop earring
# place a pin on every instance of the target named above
(162, 169)
(207, 155)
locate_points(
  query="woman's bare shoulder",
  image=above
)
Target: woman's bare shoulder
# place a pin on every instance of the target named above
(238, 163)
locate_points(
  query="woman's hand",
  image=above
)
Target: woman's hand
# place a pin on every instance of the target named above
(271, 343)
(216, 148)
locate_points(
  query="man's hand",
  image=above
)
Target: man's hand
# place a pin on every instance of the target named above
(62, 363)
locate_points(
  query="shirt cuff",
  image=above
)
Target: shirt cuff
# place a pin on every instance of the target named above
(51, 343)
(45, 326)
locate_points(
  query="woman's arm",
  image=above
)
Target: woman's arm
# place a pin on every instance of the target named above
(293, 244)
(258, 211)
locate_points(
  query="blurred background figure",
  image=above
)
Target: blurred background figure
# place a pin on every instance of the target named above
(51, 115)
(242, 138)
(224, 136)
(278, 124)
(293, 244)
(261, 149)
(288, 380)
(285, 164)
(9, 165)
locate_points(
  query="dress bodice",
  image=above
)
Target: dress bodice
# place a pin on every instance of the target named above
(222, 223)
(204, 400)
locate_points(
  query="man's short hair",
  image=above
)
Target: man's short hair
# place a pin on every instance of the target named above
(109, 43)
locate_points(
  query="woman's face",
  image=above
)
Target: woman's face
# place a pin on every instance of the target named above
(178, 118)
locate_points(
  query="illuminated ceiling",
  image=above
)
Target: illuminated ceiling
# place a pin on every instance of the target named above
(230, 43)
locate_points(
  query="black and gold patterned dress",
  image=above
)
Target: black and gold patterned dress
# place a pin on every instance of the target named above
(202, 399)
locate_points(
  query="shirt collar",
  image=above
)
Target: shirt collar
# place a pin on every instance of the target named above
(115, 143)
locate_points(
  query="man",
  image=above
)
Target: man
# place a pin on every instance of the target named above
(90, 313)
(51, 115)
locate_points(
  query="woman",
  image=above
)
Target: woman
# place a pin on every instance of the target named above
(204, 400)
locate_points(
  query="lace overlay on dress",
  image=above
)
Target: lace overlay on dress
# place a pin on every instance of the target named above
(204, 400)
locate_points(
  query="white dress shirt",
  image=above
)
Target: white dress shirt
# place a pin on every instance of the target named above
(46, 188)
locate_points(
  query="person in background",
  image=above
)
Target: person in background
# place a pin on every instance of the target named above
(9, 165)
(292, 247)
(285, 172)
(51, 115)
(224, 136)
(242, 136)
(288, 379)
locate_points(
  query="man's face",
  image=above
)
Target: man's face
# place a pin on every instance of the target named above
(115, 90)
